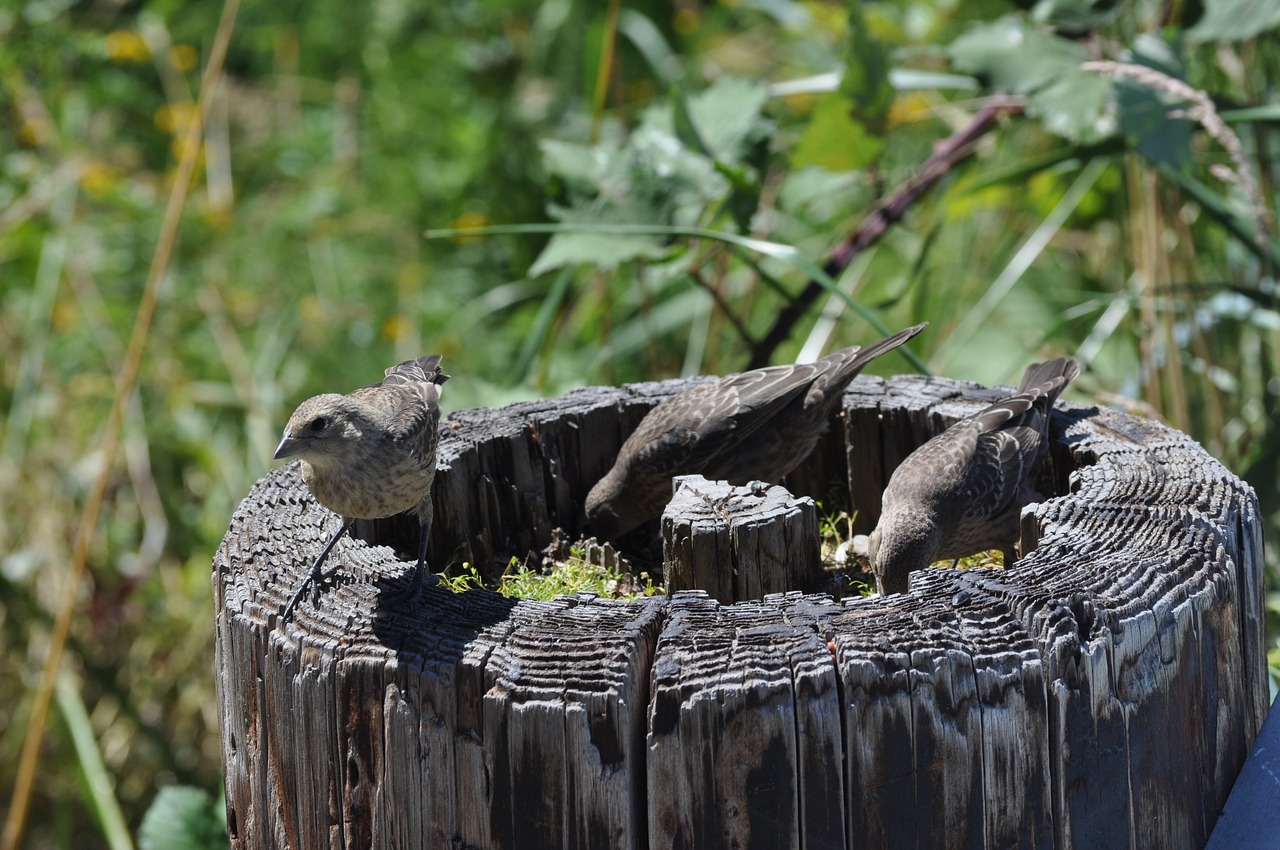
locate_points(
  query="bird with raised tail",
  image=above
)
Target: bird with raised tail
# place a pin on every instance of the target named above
(371, 454)
(752, 426)
(963, 491)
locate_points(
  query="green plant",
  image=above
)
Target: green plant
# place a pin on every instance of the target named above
(184, 818)
(1101, 211)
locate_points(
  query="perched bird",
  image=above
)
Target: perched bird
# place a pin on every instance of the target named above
(963, 491)
(371, 454)
(756, 425)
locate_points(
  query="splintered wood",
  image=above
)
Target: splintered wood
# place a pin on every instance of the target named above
(1102, 692)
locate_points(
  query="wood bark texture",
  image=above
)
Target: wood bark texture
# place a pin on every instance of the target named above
(1102, 692)
(739, 543)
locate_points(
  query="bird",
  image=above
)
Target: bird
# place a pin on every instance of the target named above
(371, 454)
(963, 491)
(751, 426)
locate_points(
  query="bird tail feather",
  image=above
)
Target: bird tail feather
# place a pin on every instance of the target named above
(1050, 377)
(863, 356)
(419, 370)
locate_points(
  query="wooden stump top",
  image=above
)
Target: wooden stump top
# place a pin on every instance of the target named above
(1103, 692)
(739, 543)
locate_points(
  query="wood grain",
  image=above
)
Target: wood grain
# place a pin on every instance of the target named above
(1102, 692)
(739, 543)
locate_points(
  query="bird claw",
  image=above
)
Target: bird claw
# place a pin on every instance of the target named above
(410, 591)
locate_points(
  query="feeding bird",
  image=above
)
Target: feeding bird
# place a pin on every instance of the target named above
(371, 454)
(963, 491)
(756, 425)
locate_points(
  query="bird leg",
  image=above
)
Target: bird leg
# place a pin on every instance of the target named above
(410, 591)
(314, 575)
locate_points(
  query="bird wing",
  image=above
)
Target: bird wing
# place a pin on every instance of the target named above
(995, 476)
(408, 396)
(1011, 438)
(689, 431)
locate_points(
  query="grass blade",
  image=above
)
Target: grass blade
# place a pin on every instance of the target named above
(1032, 248)
(99, 787)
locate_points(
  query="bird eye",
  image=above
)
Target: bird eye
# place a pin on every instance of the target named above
(319, 423)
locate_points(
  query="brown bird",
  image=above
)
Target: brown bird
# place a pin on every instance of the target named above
(756, 425)
(963, 491)
(371, 454)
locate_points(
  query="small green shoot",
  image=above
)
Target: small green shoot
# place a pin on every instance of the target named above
(574, 574)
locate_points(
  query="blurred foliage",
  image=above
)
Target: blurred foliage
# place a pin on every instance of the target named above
(1114, 221)
(184, 818)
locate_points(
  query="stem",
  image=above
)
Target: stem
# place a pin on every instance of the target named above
(946, 155)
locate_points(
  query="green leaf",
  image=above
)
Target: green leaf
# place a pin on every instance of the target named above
(1014, 55)
(732, 134)
(1144, 113)
(1235, 20)
(1146, 124)
(183, 818)
(834, 141)
(1076, 15)
(1075, 106)
(727, 117)
(579, 166)
(817, 194)
(686, 129)
(866, 73)
(671, 179)
(651, 179)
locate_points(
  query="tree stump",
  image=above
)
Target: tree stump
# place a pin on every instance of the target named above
(1102, 692)
(739, 543)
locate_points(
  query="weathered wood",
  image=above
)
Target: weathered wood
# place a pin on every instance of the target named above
(739, 543)
(505, 481)
(1102, 692)
(744, 728)
(353, 712)
(948, 691)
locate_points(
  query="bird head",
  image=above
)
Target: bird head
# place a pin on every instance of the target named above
(602, 510)
(322, 426)
(901, 543)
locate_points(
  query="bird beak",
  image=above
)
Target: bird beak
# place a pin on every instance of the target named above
(289, 445)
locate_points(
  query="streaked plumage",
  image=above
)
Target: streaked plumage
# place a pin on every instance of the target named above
(371, 453)
(963, 491)
(756, 425)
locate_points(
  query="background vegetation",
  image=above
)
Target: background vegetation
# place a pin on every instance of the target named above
(1117, 215)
